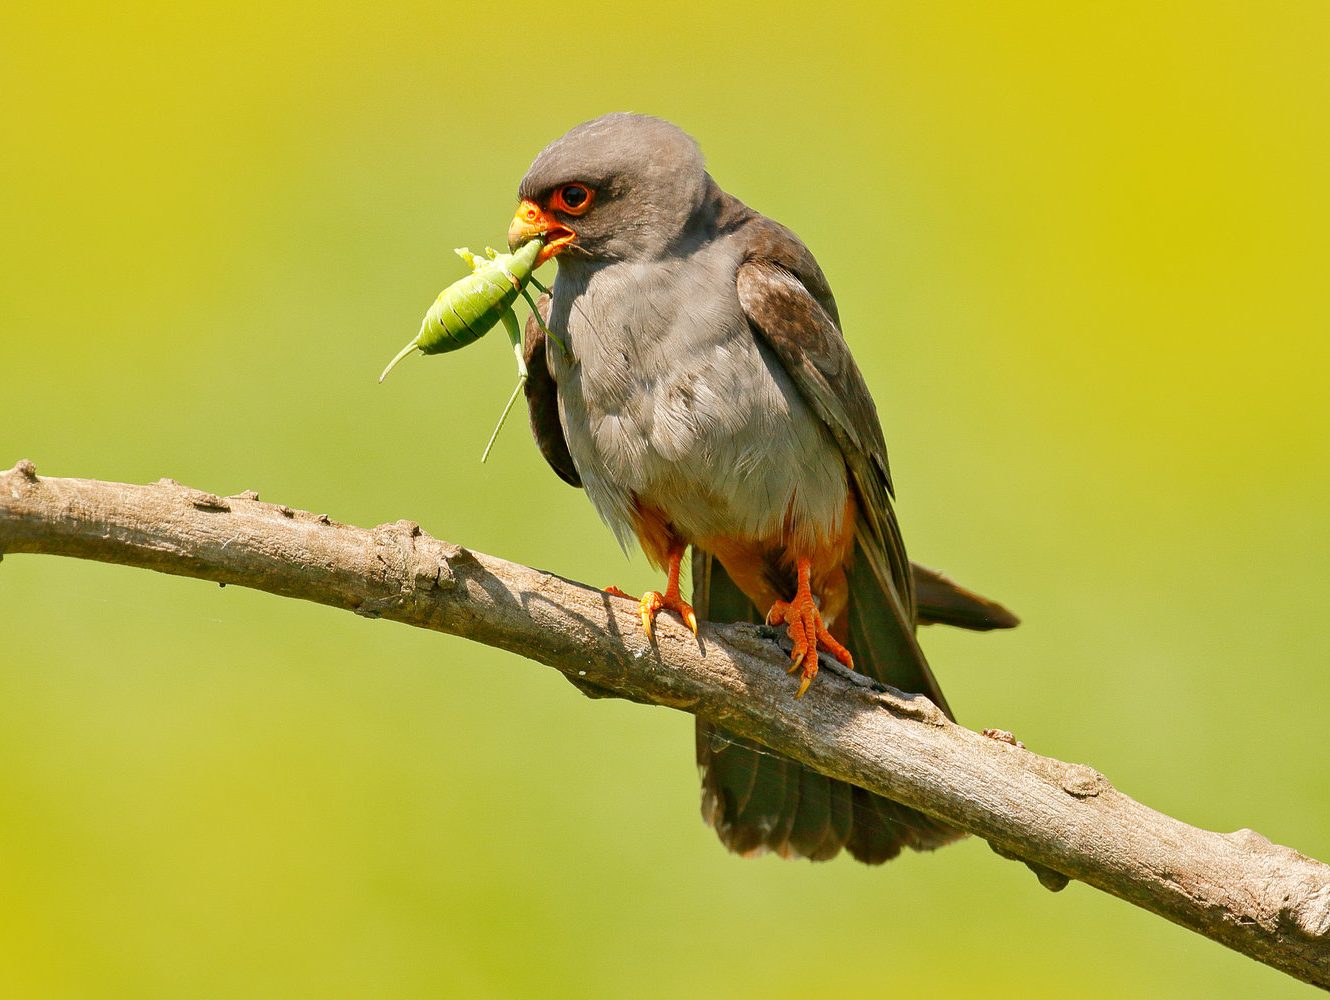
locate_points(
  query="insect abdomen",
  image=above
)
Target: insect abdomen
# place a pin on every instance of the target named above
(460, 316)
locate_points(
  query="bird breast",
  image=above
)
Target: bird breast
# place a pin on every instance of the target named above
(667, 397)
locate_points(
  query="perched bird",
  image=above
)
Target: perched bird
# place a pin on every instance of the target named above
(701, 391)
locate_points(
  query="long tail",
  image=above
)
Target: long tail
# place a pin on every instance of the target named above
(942, 601)
(758, 801)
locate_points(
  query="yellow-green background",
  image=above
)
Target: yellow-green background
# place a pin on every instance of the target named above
(1081, 254)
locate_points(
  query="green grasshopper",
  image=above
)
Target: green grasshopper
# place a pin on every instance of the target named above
(470, 307)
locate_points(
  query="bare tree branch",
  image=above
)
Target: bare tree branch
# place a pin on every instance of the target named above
(1064, 820)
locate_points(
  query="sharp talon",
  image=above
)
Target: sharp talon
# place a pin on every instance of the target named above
(828, 642)
(806, 630)
(652, 602)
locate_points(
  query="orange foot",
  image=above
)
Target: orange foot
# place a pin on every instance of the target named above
(807, 631)
(653, 601)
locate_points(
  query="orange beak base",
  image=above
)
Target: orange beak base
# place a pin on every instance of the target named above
(531, 221)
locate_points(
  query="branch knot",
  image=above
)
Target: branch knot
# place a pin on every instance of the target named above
(1083, 782)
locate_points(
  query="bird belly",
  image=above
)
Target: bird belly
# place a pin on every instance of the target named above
(718, 445)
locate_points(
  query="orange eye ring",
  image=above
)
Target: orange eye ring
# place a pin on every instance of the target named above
(572, 199)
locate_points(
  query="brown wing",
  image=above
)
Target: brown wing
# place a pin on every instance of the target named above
(788, 304)
(757, 800)
(542, 399)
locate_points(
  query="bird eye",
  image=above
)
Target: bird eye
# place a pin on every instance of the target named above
(572, 198)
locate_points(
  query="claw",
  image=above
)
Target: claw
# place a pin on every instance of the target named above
(807, 632)
(654, 602)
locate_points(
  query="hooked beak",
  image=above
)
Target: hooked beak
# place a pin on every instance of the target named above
(531, 221)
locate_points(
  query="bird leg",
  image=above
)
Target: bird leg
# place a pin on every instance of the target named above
(806, 630)
(654, 601)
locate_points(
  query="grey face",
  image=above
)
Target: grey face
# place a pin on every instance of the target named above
(644, 179)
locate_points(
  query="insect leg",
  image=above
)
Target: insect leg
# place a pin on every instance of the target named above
(521, 381)
(535, 311)
(514, 332)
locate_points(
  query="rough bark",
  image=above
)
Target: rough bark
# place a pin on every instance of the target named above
(1063, 820)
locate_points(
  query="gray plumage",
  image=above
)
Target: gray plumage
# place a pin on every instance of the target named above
(703, 374)
(665, 396)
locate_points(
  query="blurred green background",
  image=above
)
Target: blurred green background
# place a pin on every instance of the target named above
(1081, 253)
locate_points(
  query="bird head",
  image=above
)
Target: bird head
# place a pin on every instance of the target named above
(620, 187)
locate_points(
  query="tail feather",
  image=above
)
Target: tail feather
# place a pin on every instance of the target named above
(942, 601)
(882, 648)
(757, 800)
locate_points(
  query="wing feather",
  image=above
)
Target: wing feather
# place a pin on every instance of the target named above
(542, 399)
